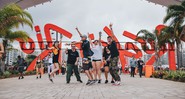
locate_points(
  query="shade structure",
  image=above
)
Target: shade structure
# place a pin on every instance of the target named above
(166, 2)
(23, 3)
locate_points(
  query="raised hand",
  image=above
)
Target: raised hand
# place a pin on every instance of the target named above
(76, 28)
(88, 34)
(110, 25)
(100, 34)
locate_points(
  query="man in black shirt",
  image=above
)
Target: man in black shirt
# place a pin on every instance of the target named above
(114, 57)
(140, 66)
(72, 63)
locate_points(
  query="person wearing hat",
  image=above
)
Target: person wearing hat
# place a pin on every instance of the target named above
(87, 53)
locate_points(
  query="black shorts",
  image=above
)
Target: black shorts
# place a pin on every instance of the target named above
(21, 69)
(55, 58)
(107, 64)
(90, 65)
(95, 60)
(86, 67)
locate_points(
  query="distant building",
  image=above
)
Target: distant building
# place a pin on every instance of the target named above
(183, 58)
(11, 56)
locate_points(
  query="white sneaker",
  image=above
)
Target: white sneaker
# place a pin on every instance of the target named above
(117, 83)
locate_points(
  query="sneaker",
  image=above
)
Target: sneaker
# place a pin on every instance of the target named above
(19, 78)
(40, 76)
(106, 81)
(112, 82)
(51, 80)
(36, 77)
(88, 82)
(22, 77)
(80, 81)
(67, 82)
(117, 83)
(92, 82)
(99, 81)
(95, 80)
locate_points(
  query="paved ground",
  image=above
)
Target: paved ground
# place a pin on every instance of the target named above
(131, 88)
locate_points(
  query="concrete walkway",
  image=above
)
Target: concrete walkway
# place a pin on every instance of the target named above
(131, 88)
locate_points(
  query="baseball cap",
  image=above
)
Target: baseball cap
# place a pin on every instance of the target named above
(85, 36)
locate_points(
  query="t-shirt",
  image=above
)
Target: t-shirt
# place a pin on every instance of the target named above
(140, 63)
(20, 62)
(97, 50)
(133, 63)
(50, 60)
(113, 49)
(86, 48)
(72, 56)
(85, 45)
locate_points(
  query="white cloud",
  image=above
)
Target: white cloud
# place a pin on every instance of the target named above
(92, 15)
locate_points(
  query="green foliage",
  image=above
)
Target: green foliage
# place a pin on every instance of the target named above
(170, 75)
(15, 72)
(30, 72)
(6, 74)
(30, 58)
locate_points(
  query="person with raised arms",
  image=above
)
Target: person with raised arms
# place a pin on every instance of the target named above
(96, 47)
(87, 53)
(113, 66)
(56, 50)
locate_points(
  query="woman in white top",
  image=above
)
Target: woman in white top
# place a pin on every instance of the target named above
(1, 48)
(50, 63)
(96, 47)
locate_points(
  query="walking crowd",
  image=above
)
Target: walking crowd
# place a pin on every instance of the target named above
(94, 55)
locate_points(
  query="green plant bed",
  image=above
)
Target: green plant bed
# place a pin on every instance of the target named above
(15, 73)
(170, 75)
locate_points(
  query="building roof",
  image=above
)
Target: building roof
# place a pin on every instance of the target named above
(29, 3)
(166, 2)
(23, 3)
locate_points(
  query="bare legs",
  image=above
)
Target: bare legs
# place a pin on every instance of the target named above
(106, 72)
(39, 71)
(55, 68)
(96, 69)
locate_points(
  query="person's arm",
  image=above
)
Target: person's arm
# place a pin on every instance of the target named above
(50, 48)
(78, 32)
(66, 51)
(77, 59)
(90, 41)
(100, 34)
(2, 48)
(112, 34)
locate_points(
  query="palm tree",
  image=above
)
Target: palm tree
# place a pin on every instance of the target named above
(176, 14)
(152, 38)
(11, 17)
